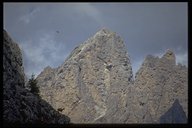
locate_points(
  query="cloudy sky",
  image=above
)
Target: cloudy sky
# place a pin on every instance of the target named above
(48, 32)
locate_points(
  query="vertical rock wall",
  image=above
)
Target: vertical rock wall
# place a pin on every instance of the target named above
(19, 105)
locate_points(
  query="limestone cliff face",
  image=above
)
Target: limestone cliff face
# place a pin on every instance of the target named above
(19, 105)
(158, 83)
(92, 84)
(95, 84)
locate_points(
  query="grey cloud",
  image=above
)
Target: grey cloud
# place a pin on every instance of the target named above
(28, 17)
(43, 53)
(147, 28)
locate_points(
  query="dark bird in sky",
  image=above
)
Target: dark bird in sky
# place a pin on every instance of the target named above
(57, 31)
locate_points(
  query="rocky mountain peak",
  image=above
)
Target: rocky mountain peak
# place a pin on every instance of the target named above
(103, 38)
(149, 61)
(170, 56)
(94, 85)
(96, 74)
(157, 84)
(104, 31)
(167, 61)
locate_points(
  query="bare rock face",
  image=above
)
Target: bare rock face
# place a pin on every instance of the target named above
(158, 83)
(95, 84)
(92, 84)
(12, 62)
(19, 105)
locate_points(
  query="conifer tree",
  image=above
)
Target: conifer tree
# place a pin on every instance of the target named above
(33, 85)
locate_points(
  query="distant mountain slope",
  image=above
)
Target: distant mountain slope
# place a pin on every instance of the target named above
(174, 115)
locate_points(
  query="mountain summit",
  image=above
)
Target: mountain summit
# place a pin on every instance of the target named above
(95, 85)
(170, 56)
(92, 83)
